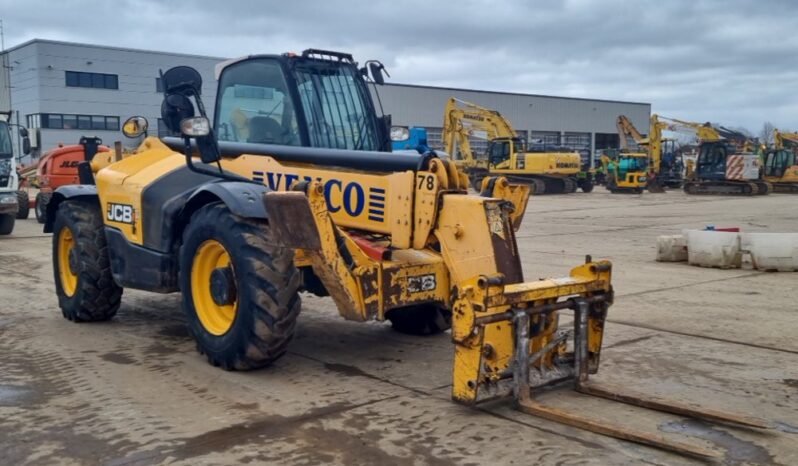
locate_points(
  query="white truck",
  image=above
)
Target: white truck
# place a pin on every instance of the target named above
(10, 195)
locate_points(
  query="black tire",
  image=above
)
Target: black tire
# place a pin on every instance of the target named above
(7, 224)
(422, 319)
(266, 285)
(40, 210)
(586, 186)
(96, 296)
(24, 206)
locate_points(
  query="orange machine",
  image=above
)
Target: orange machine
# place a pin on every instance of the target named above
(59, 167)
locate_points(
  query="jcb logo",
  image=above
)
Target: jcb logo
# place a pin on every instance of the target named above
(69, 164)
(121, 213)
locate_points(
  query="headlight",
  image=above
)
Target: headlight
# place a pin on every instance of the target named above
(399, 133)
(8, 199)
(642, 178)
(195, 127)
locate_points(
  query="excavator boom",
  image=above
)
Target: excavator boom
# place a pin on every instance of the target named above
(508, 155)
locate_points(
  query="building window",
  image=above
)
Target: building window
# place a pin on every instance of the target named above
(112, 123)
(163, 131)
(576, 141)
(607, 141)
(92, 80)
(158, 85)
(62, 121)
(70, 122)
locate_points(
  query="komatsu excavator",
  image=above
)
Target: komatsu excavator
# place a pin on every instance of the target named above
(242, 214)
(726, 163)
(508, 155)
(780, 165)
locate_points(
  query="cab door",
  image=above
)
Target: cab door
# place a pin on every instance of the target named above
(499, 156)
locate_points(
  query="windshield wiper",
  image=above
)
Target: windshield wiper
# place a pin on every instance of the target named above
(360, 133)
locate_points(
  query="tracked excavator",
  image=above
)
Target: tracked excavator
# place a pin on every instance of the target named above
(240, 222)
(726, 163)
(780, 165)
(545, 170)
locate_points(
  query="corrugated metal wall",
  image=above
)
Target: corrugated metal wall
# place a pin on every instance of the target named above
(423, 106)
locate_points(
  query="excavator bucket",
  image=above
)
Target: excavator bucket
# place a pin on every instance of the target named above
(508, 342)
(653, 184)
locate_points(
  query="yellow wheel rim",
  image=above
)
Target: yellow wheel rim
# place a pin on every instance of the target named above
(217, 319)
(69, 279)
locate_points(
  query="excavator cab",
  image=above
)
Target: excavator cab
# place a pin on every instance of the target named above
(502, 151)
(778, 161)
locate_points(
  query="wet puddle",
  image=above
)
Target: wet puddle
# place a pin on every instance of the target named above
(737, 451)
(13, 395)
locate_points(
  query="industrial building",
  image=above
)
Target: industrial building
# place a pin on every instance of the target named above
(62, 91)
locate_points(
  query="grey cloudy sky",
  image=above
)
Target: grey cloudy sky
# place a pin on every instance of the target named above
(734, 62)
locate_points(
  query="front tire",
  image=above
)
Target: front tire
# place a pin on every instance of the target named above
(24, 206)
(240, 290)
(421, 319)
(82, 270)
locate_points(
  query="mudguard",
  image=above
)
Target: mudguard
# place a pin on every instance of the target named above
(242, 198)
(82, 191)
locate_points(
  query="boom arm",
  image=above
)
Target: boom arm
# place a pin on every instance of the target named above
(461, 118)
(626, 130)
(705, 132)
(782, 140)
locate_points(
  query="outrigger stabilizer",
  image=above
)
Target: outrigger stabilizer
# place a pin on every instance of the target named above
(539, 355)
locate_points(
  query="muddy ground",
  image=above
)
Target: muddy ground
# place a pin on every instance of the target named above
(135, 391)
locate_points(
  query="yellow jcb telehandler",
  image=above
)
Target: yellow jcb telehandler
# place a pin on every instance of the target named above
(242, 214)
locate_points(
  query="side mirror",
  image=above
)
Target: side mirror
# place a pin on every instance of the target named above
(183, 80)
(23, 132)
(174, 109)
(135, 126)
(376, 68)
(25, 144)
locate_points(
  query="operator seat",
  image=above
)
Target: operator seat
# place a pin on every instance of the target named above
(266, 130)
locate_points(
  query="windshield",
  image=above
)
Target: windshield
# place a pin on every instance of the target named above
(5, 139)
(255, 105)
(336, 107)
(636, 163)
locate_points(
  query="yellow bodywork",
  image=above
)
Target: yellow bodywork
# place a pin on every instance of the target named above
(462, 119)
(418, 239)
(624, 180)
(781, 163)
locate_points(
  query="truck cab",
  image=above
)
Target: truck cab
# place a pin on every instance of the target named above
(9, 181)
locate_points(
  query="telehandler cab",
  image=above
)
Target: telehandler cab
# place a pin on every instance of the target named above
(243, 214)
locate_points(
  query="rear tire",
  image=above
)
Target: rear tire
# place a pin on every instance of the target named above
(253, 326)
(82, 270)
(7, 224)
(420, 320)
(586, 186)
(40, 210)
(24, 206)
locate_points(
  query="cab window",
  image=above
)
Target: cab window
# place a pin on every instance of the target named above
(255, 106)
